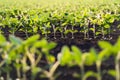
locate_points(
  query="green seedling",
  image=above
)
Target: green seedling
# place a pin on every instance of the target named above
(116, 49)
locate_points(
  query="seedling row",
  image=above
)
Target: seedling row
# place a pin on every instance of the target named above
(102, 19)
(25, 56)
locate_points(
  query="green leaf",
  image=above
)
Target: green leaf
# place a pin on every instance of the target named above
(77, 54)
(104, 45)
(41, 43)
(51, 45)
(107, 26)
(111, 20)
(90, 74)
(2, 39)
(92, 29)
(50, 59)
(31, 40)
(64, 24)
(65, 57)
(91, 58)
(15, 40)
(17, 65)
(104, 54)
(112, 73)
(35, 29)
(85, 57)
(35, 70)
(12, 55)
(116, 47)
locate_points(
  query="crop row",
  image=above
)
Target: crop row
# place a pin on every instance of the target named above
(20, 58)
(99, 20)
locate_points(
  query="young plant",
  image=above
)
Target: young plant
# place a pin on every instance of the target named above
(116, 51)
(45, 48)
(103, 55)
(6, 47)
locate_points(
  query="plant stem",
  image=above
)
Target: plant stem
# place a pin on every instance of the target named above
(0, 30)
(18, 73)
(82, 71)
(62, 35)
(94, 31)
(2, 63)
(65, 28)
(85, 32)
(98, 65)
(54, 31)
(49, 74)
(88, 29)
(24, 76)
(26, 33)
(38, 60)
(52, 70)
(45, 29)
(117, 66)
(23, 61)
(8, 76)
(109, 32)
(103, 35)
(72, 32)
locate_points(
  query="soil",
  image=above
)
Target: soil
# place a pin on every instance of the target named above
(84, 45)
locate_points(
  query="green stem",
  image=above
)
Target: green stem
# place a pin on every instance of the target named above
(72, 32)
(94, 31)
(109, 33)
(45, 29)
(23, 61)
(53, 69)
(18, 73)
(24, 76)
(62, 35)
(54, 31)
(8, 75)
(82, 71)
(2, 63)
(65, 28)
(98, 65)
(0, 30)
(38, 60)
(117, 66)
(85, 32)
(50, 74)
(103, 35)
(26, 32)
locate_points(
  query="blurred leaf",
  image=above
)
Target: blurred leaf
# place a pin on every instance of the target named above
(91, 58)
(90, 74)
(50, 59)
(116, 47)
(104, 54)
(51, 45)
(77, 54)
(85, 57)
(2, 39)
(111, 20)
(66, 57)
(107, 26)
(112, 73)
(35, 70)
(15, 40)
(104, 45)
(41, 43)
(31, 39)
(35, 29)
